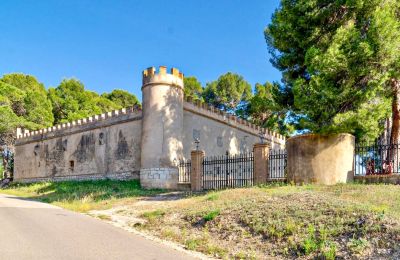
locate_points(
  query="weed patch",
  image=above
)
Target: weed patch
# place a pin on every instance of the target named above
(211, 215)
(153, 215)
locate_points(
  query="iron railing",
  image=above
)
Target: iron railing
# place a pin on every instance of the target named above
(376, 158)
(7, 163)
(277, 165)
(228, 171)
(184, 169)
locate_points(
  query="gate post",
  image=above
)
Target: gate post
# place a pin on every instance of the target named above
(261, 162)
(196, 170)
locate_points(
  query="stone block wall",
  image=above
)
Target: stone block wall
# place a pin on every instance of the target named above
(159, 177)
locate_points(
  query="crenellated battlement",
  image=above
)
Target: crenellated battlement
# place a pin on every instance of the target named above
(91, 120)
(217, 114)
(160, 76)
(150, 72)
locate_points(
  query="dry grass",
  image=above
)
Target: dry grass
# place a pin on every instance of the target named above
(82, 196)
(343, 221)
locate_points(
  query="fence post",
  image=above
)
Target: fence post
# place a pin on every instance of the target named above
(196, 170)
(261, 162)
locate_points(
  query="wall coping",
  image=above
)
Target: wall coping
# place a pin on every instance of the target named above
(311, 135)
(92, 122)
(216, 114)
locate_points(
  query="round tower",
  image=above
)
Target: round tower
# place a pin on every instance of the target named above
(162, 126)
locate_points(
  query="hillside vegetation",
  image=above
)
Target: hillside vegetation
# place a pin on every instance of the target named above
(345, 221)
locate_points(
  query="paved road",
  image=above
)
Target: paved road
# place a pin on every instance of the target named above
(33, 230)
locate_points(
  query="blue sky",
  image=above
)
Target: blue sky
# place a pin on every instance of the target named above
(106, 44)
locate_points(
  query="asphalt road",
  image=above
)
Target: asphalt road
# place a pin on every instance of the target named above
(33, 230)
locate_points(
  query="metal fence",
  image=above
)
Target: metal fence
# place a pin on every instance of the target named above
(6, 163)
(376, 158)
(184, 169)
(228, 171)
(277, 165)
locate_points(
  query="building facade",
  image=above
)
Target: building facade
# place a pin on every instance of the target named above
(134, 143)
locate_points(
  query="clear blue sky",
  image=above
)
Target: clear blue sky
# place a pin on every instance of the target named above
(106, 44)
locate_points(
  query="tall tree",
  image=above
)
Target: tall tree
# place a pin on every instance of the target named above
(228, 92)
(23, 103)
(340, 62)
(71, 101)
(193, 88)
(122, 98)
(265, 108)
(28, 99)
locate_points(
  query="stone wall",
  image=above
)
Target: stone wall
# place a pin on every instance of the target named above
(373, 179)
(219, 132)
(320, 159)
(167, 178)
(104, 146)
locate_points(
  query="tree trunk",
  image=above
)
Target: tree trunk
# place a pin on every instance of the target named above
(393, 151)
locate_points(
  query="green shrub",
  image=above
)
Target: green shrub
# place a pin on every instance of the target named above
(211, 215)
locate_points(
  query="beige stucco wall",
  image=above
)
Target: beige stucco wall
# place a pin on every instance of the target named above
(218, 135)
(108, 148)
(321, 159)
(162, 98)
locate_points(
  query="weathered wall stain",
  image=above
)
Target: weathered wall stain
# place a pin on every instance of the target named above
(86, 148)
(123, 149)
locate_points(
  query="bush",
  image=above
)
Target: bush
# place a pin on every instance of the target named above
(211, 215)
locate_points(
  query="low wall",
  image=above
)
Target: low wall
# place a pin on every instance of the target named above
(371, 179)
(321, 159)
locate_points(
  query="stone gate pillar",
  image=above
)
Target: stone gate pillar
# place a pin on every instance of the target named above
(261, 162)
(196, 170)
(162, 126)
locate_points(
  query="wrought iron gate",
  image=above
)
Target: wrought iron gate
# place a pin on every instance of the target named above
(277, 165)
(228, 171)
(184, 169)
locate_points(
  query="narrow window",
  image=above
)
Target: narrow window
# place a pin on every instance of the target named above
(71, 165)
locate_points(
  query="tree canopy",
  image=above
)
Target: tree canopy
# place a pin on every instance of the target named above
(25, 102)
(193, 88)
(122, 98)
(228, 92)
(265, 108)
(339, 60)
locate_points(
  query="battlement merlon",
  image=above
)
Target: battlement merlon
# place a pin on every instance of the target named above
(151, 77)
(86, 122)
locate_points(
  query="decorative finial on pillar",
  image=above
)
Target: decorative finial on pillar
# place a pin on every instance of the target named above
(262, 137)
(197, 142)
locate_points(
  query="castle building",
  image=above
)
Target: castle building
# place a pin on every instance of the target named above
(134, 143)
